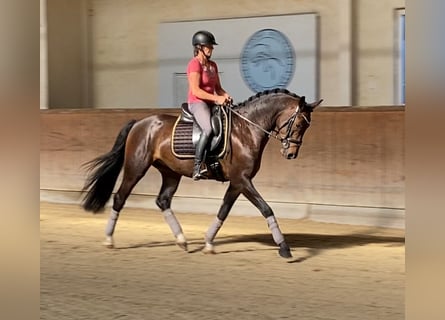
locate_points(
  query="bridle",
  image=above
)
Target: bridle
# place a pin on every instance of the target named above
(286, 140)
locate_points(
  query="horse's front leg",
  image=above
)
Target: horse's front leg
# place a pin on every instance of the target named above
(230, 197)
(253, 196)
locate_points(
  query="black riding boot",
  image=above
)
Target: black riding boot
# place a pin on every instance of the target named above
(199, 155)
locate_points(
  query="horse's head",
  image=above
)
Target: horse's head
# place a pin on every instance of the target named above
(292, 125)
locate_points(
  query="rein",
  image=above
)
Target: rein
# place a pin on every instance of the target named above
(284, 141)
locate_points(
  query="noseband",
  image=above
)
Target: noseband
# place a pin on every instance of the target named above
(286, 140)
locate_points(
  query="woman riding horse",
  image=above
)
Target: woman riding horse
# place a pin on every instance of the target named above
(204, 90)
(147, 142)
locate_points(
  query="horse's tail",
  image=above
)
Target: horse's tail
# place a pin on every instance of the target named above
(103, 173)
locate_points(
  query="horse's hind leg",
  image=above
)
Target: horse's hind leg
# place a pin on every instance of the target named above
(134, 170)
(170, 182)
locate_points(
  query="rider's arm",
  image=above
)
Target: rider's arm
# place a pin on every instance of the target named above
(194, 80)
(218, 88)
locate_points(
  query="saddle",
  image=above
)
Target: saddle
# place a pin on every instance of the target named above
(186, 134)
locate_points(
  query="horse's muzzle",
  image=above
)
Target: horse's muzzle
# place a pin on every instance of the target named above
(290, 153)
(290, 147)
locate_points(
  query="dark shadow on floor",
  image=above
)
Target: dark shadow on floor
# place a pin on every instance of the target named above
(313, 244)
(316, 241)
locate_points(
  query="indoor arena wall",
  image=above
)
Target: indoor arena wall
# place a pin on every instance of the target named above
(350, 168)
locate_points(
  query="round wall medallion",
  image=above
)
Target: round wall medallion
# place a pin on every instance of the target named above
(267, 60)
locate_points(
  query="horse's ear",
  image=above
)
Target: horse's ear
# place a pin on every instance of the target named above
(313, 105)
(302, 102)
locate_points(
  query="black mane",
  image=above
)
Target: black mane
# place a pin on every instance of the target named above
(267, 92)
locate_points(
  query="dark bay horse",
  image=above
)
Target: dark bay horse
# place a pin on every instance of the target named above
(147, 142)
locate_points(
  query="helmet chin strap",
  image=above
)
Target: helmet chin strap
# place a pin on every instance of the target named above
(205, 55)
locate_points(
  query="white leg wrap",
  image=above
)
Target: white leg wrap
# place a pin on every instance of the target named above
(275, 229)
(173, 223)
(213, 230)
(112, 220)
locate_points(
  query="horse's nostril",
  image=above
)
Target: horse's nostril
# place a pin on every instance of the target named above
(290, 155)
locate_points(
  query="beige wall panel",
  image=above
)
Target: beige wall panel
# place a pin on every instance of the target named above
(67, 56)
(377, 51)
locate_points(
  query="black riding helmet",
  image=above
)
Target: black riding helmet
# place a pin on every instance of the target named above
(203, 38)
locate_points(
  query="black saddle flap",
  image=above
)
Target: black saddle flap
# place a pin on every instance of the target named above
(186, 115)
(217, 126)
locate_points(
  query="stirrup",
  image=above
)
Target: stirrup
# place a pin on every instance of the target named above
(200, 175)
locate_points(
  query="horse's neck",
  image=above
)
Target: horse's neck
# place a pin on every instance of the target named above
(264, 112)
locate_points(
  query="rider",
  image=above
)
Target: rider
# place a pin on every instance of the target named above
(204, 91)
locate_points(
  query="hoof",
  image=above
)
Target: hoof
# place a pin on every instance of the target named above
(181, 242)
(208, 249)
(284, 250)
(182, 245)
(109, 243)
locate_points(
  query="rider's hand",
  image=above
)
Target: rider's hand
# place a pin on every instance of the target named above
(221, 100)
(228, 97)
